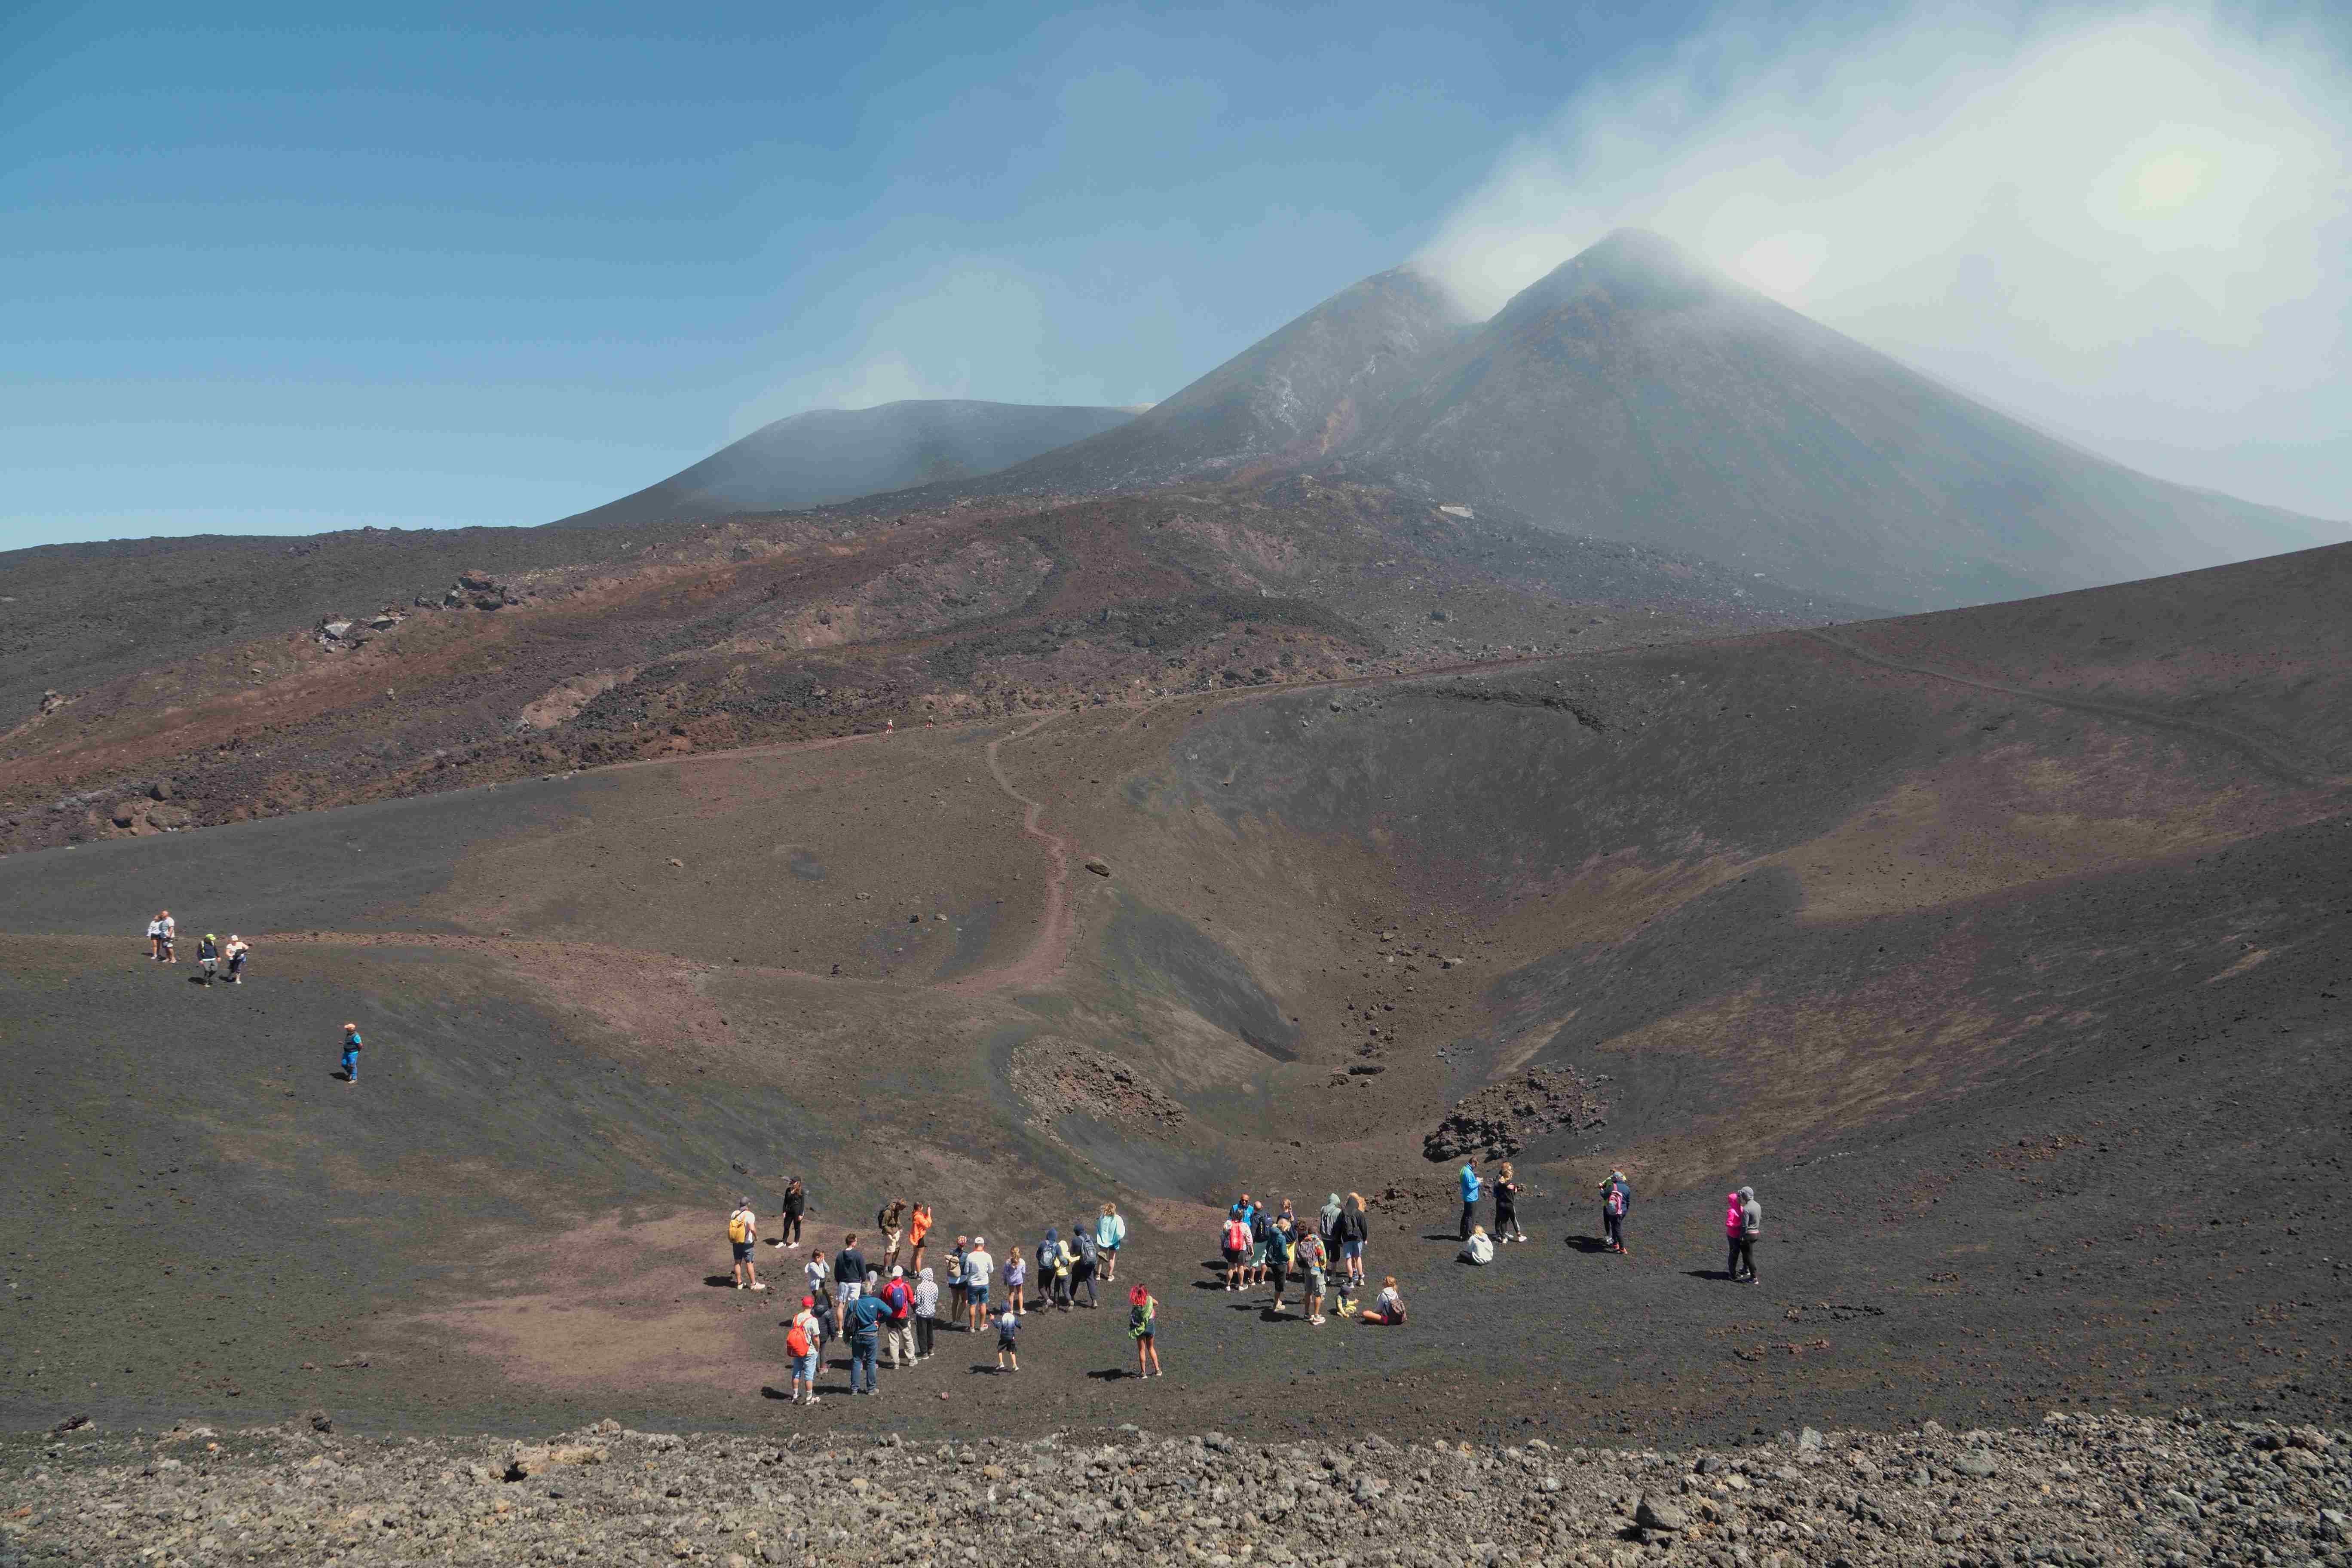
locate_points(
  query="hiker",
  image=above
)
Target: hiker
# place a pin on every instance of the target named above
(1506, 1207)
(1327, 1224)
(208, 957)
(235, 953)
(1008, 1350)
(1054, 1259)
(1752, 1225)
(890, 1220)
(1477, 1248)
(1616, 1201)
(166, 934)
(1085, 1265)
(802, 1343)
(1469, 1196)
(919, 1227)
(788, 1235)
(352, 1043)
(1314, 1258)
(1388, 1309)
(848, 1273)
(977, 1267)
(1110, 1234)
(1235, 1247)
(1279, 1250)
(1731, 1236)
(898, 1328)
(1143, 1328)
(744, 1234)
(828, 1324)
(1016, 1282)
(955, 1276)
(1355, 1231)
(926, 1315)
(155, 938)
(1261, 1230)
(861, 1319)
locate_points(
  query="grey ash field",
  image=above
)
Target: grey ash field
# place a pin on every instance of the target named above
(2002, 950)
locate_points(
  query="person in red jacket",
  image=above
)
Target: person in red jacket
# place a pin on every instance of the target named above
(898, 1328)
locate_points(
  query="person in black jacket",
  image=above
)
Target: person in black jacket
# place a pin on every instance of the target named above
(788, 1235)
(848, 1271)
(1507, 1208)
(1082, 1272)
(1353, 1230)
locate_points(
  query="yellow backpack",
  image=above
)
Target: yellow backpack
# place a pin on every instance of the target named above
(739, 1226)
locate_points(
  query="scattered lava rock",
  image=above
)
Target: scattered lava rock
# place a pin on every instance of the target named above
(1503, 1118)
(1061, 1077)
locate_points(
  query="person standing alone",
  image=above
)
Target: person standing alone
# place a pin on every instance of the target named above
(743, 1237)
(1616, 1203)
(1506, 1207)
(352, 1043)
(788, 1234)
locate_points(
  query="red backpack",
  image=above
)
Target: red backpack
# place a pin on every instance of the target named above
(796, 1339)
(900, 1300)
(1237, 1235)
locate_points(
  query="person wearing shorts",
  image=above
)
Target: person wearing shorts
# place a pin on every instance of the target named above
(1008, 1341)
(848, 1274)
(804, 1363)
(977, 1267)
(1110, 1234)
(918, 1229)
(743, 1237)
(1143, 1327)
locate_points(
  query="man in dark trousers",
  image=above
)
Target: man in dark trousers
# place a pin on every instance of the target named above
(352, 1043)
(1616, 1203)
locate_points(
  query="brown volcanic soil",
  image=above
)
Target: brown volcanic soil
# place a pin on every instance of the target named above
(2024, 1014)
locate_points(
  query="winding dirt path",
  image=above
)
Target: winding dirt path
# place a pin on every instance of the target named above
(2263, 755)
(1050, 948)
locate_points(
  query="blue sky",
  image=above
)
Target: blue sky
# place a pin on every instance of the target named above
(287, 270)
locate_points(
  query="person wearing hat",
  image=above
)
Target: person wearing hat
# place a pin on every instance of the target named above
(743, 1236)
(898, 1328)
(351, 1044)
(802, 1341)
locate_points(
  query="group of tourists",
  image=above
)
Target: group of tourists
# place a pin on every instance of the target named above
(1743, 1219)
(163, 947)
(1267, 1247)
(890, 1306)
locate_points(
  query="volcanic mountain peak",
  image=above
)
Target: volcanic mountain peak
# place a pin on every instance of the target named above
(1631, 268)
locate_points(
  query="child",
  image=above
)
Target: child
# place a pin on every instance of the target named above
(1389, 1311)
(1017, 1279)
(1143, 1326)
(1008, 1328)
(926, 1314)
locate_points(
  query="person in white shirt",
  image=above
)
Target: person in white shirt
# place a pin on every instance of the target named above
(977, 1268)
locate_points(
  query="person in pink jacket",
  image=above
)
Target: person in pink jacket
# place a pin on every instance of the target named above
(1731, 1236)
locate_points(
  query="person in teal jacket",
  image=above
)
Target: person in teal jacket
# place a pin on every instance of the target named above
(1469, 1196)
(1111, 1233)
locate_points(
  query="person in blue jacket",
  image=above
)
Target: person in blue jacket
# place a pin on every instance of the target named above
(862, 1318)
(1469, 1196)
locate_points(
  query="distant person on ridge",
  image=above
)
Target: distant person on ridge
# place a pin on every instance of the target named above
(235, 953)
(1506, 1207)
(1616, 1203)
(1752, 1225)
(743, 1236)
(352, 1043)
(1469, 1197)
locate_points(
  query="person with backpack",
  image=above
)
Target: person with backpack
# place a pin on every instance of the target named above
(1752, 1225)
(208, 957)
(1110, 1234)
(848, 1273)
(1506, 1207)
(351, 1044)
(802, 1341)
(235, 953)
(1327, 1224)
(861, 1319)
(927, 1316)
(1143, 1328)
(1054, 1261)
(898, 1328)
(1389, 1311)
(742, 1234)
(1280, 1249)
(890, 1220)
(1469, 1197)
(1314, 1260)
(1616, 1203)
(1731, 1236)
(1086, 1260)
(788, 1235)
(1235, 1247)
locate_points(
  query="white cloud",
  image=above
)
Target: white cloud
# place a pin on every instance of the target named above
(2131, 229)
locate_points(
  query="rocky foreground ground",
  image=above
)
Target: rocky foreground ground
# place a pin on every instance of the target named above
(2079, 1489)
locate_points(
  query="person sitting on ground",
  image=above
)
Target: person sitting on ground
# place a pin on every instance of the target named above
(1085, 1259)
(235, 953)
(744, 1234)
(208, 956)
(977, 1267)
(926, 1315)
(1016, 1282)
(1478, 1248)
(802, 1342)
(1314, 1260)
(1506, 1207)
(1235, 1247)
(1143, 1328)
(1389, 1309)
(1110, 1234)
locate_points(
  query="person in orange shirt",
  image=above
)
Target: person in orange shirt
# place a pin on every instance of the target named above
(918, 1226)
